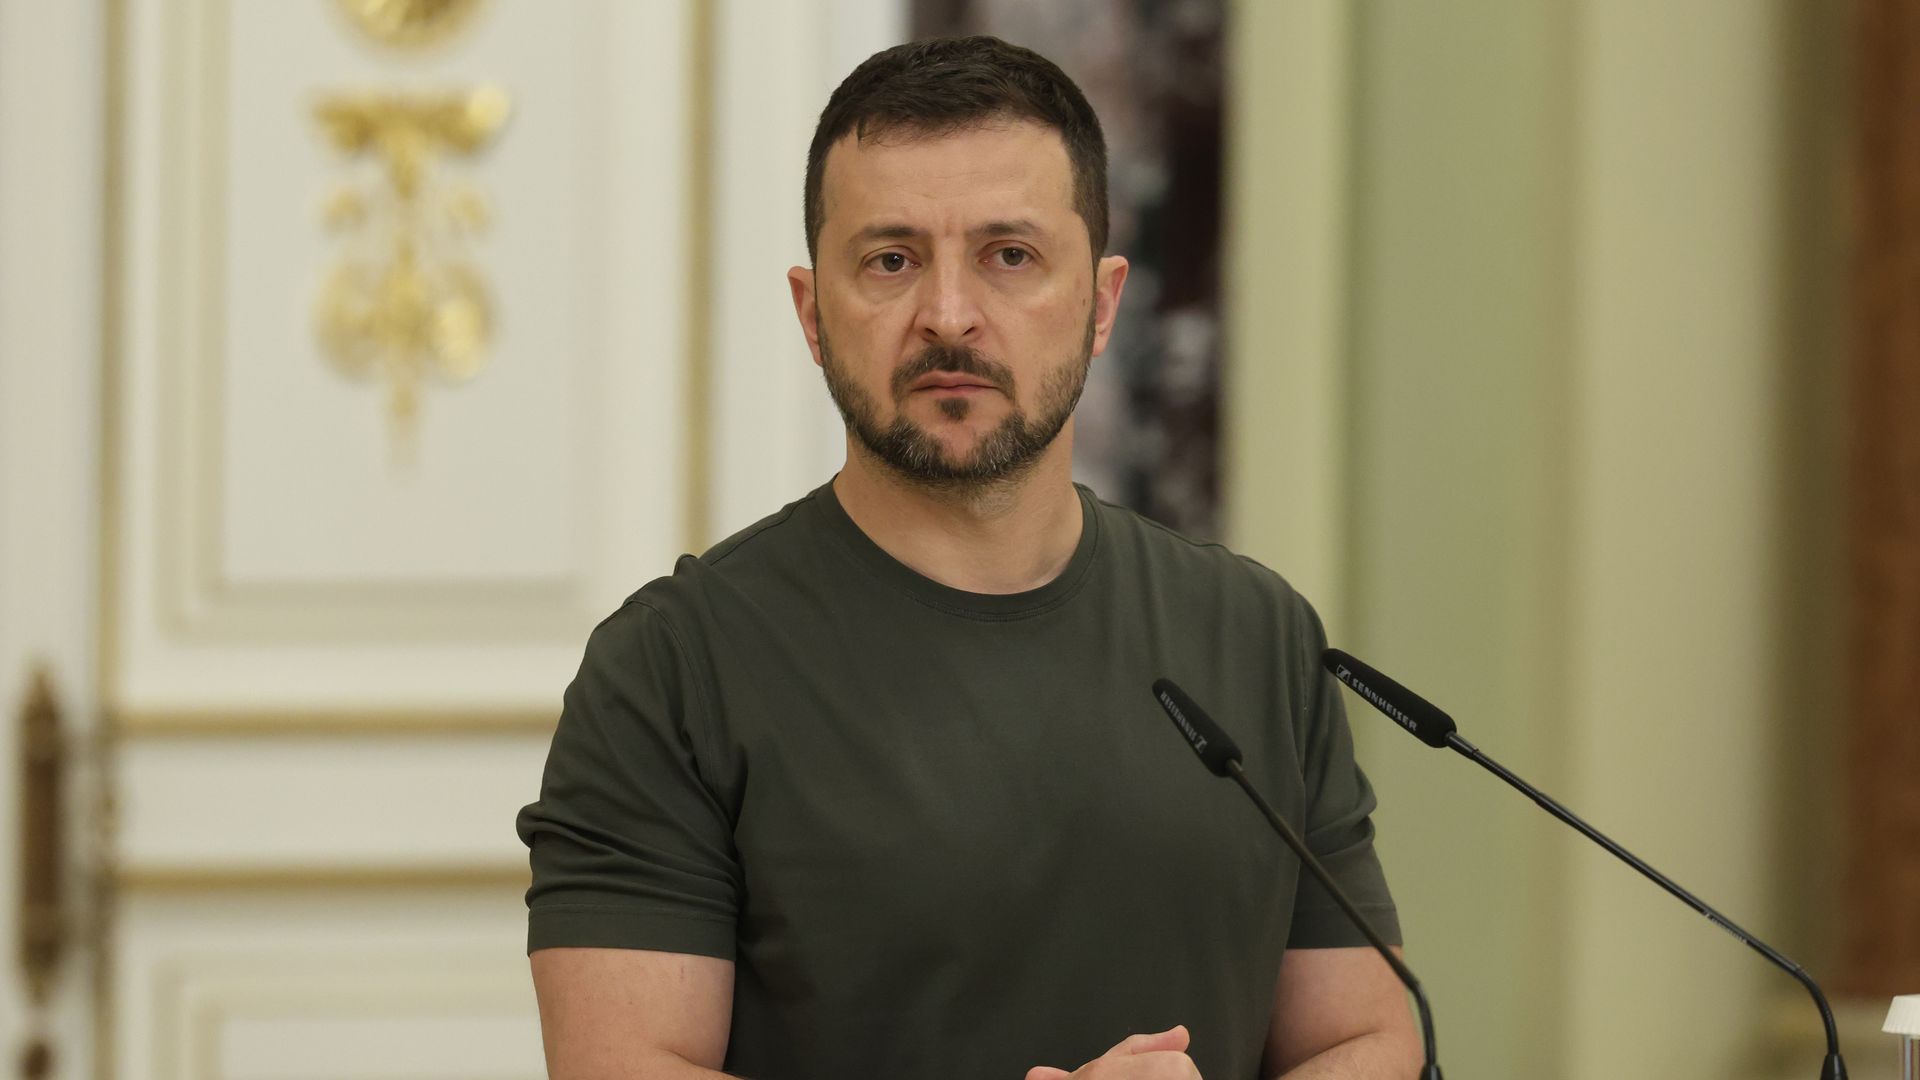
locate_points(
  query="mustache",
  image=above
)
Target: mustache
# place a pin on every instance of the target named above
(957, 359)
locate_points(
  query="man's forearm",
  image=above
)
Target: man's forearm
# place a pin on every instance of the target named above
(655, 1065)
(1375, 1056)
(675, 1067)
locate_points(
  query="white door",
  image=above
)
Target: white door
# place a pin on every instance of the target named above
(50, 160)
(398, 413)
(356, 357)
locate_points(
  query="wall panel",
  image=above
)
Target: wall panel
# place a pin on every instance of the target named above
(415, 983)
(282, 539)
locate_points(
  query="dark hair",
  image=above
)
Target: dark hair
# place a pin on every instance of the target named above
(944, 85)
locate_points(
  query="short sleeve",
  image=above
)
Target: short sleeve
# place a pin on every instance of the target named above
(629, 844)
(1340, 803)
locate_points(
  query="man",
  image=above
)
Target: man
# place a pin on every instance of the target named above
(878, 788)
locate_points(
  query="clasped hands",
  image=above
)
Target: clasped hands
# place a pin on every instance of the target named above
(1161, 1056)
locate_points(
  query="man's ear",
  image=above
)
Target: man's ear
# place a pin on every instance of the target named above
(800, 283)
(1109, 278)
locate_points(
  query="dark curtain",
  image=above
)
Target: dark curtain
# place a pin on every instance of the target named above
(1147, 430)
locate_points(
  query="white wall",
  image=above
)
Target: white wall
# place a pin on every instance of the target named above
(776, 435)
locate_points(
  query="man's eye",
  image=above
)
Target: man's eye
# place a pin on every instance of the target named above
(892, 262)
(1012, 256)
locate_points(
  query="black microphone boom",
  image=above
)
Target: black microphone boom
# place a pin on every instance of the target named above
(1222, 758)
(1437, 729)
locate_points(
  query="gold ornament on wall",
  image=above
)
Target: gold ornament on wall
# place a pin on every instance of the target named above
(404, 303)
(410, 24)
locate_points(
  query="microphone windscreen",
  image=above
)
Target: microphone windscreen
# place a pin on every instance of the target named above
(1403, 706)
(1201, 733)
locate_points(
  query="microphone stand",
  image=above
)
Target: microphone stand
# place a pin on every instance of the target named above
(1832, 1068)
(1431, 1070)
(1435, 728)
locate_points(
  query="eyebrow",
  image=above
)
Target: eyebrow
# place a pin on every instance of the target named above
(892, 231)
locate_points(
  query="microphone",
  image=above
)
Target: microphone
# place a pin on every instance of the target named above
(1222, 758)
(1436, 729)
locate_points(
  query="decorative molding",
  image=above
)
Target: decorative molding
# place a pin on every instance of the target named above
(199, 600)
(412, 25)
(171, 605)
(103, 928)
(198, 997)
(341, 723)
(290, 878)
(402, 303)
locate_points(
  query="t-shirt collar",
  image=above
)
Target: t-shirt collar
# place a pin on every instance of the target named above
(898, 575)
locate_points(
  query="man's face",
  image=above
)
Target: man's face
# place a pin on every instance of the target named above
(954, 306)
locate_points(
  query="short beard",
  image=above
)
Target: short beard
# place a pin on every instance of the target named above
(1003, 455)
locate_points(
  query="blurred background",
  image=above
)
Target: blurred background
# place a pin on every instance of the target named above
(357, 356)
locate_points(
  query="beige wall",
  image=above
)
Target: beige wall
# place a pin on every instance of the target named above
(1579, 487)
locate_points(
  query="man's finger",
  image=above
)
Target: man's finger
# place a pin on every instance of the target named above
(1174, 1038)
(1048, 1072)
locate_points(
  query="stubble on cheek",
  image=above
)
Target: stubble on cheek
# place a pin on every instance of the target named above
(916, 452)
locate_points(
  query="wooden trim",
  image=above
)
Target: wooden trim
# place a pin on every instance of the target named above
(1881, 948)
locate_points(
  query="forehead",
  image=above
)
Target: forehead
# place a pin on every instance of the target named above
(1011, 168)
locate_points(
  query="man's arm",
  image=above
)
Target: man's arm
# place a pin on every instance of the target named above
(1341, 1013)
(633, 1014)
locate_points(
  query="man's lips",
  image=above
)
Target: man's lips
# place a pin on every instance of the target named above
(951, 381)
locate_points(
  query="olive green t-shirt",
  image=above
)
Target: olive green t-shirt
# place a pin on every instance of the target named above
(952, 835)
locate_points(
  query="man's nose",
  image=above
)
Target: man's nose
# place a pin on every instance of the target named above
(949, 304)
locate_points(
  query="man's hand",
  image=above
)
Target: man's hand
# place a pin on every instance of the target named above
(1161, 1056)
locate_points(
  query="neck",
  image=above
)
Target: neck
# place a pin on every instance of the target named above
(1009, 536)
